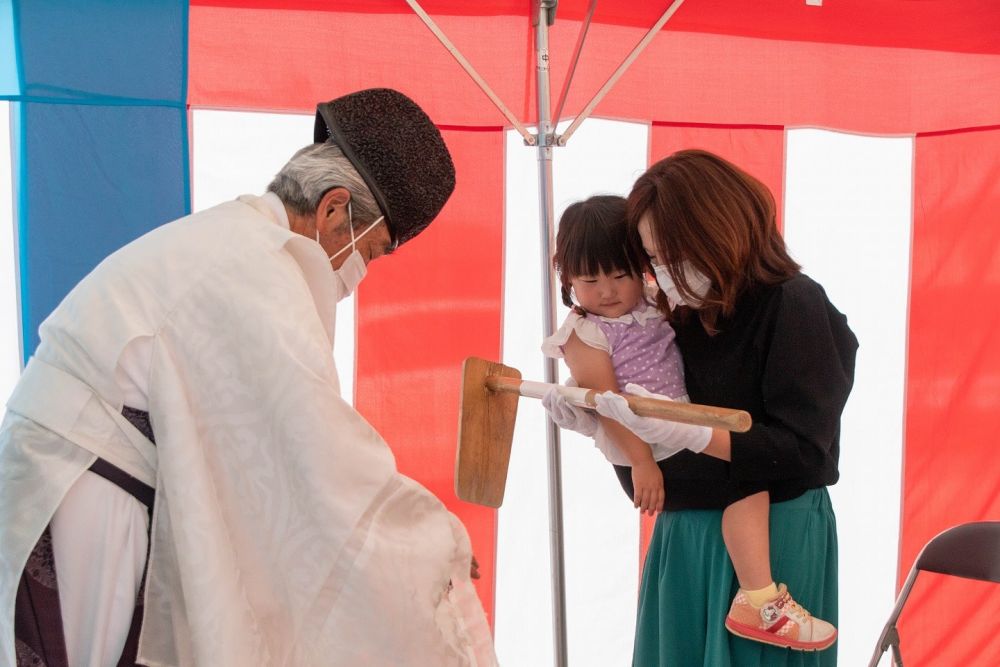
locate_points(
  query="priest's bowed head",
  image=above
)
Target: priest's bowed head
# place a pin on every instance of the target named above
(406, 176)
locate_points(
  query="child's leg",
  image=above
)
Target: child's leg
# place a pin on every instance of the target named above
(747, 537)
(762, 611)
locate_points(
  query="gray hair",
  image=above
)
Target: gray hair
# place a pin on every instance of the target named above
(316, 169)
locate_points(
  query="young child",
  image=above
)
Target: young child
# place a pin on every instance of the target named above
(615, 336)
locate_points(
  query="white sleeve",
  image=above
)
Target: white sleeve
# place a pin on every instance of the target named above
(132, 372)
(586, 330)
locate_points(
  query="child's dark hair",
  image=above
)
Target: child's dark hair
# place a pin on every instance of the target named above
(593, 238)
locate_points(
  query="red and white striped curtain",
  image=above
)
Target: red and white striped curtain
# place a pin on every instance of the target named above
(875, 123)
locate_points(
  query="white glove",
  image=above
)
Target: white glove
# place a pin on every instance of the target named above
(568, 416)
(672, 436)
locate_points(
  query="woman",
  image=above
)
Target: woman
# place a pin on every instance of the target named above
(758, 335)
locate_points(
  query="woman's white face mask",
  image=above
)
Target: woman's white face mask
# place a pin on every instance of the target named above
(353, 270)
(696, 280)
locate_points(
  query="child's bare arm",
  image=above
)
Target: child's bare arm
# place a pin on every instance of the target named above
(592, 368)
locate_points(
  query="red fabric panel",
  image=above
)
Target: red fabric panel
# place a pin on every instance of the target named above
(646, 525)
(758, 150)
(951, 469)
(420, 313)
(287, 60)
(283, 59)
(703, 78)
(946, 25)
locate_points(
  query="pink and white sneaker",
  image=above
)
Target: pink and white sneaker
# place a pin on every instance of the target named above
(780, 622)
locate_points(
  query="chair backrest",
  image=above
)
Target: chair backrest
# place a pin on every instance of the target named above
(971, 550)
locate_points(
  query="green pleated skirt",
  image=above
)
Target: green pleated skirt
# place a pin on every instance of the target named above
(688, 584)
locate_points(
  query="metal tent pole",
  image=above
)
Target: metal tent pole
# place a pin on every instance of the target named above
(544, 17)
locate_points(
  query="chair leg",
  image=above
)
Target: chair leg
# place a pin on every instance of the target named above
(890, 635)
(889, 639)
(897, 657)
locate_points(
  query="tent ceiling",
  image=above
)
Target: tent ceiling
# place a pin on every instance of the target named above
(968, 26)
(712, 64)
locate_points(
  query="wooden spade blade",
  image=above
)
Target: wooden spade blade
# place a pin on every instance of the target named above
(485, 433)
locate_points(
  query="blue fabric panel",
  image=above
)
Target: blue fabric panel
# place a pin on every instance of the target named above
(79, 49)
(101, 142)
(93, 179)
(9, 86)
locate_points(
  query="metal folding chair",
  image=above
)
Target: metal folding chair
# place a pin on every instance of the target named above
(971, 551)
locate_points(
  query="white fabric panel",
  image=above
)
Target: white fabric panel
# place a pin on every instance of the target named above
(601, 529)
(523, 603)
(235, 153)
(10, 318)
(848, 221)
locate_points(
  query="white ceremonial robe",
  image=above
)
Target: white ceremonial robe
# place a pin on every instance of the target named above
(282, 532)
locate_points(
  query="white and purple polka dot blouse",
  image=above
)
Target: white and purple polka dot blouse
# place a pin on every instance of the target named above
(641, 345)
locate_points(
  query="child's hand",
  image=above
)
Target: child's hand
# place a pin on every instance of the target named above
(647, 480)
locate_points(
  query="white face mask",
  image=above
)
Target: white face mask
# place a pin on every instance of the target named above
(696, 280)
(349, 275)
(353, 270)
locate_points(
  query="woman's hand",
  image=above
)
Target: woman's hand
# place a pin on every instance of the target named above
(647, 480)
(675, 435)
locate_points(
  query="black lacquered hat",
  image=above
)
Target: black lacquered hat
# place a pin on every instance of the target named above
(398, 152)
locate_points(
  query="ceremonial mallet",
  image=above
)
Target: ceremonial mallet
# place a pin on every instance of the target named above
(489, 406)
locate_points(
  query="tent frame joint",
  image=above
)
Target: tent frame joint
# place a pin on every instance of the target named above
(549, 6)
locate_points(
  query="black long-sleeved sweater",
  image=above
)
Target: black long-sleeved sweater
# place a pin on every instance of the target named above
(787, 357)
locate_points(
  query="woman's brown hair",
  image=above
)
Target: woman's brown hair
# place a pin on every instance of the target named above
(707, 211)
(593, 238)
